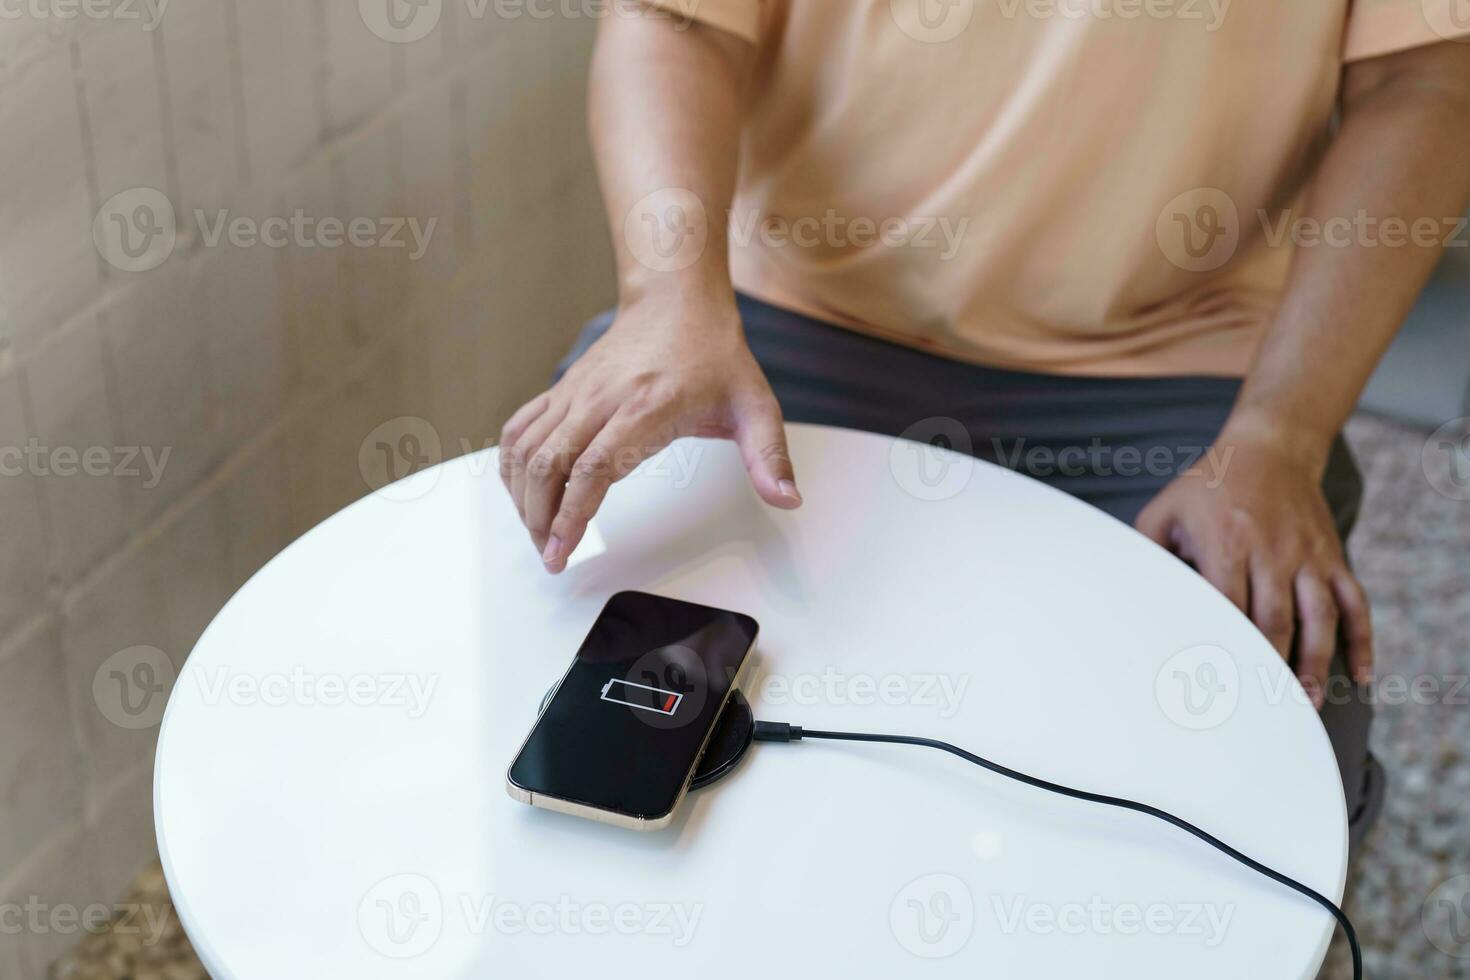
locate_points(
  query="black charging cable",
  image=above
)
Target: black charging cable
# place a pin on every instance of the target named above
(770, 731)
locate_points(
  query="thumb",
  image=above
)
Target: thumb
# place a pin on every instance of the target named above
(761, 437)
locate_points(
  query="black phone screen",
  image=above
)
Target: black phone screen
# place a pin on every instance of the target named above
(626, 724)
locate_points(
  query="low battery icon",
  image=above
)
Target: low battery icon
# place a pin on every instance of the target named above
(642, 696)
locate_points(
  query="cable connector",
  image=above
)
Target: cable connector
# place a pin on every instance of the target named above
(777, 731)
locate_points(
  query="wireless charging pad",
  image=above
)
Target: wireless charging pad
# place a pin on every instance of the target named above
(728, 743)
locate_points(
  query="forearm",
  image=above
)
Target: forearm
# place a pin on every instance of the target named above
(665, 115)
(1401, 156)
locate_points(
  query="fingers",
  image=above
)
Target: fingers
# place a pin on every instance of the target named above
(515, 426)
(548, 469)
(1318, 635)
(761, 436)
(1357, 621)
(1273, 604)
(1299, 610)
(563, 490)
(1211, 552)
(611, 456)
(1283, 566)
(1223, 566)
(513, 430)
(516, 457)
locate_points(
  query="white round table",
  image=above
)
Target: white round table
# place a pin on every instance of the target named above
(329, 784)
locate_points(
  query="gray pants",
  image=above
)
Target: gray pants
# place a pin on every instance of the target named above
(1113, 442)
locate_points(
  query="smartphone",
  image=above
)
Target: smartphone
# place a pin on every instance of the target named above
(623, 732)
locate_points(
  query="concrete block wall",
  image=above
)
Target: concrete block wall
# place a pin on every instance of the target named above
(258, 370)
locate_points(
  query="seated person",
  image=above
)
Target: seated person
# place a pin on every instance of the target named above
(1167, 242)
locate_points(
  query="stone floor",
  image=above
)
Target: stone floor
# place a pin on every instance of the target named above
(1412, 550)
(127, 953)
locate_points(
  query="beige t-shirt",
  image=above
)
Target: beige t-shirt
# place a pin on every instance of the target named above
(1067, 186)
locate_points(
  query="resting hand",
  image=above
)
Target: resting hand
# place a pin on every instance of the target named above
(1263, 535)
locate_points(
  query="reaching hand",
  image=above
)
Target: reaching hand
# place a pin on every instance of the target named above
(659, 373)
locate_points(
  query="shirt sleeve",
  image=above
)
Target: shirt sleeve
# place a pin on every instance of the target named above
(1378, 27)
(740, 17)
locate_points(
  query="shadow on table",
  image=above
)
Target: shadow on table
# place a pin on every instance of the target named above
(720, 517)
